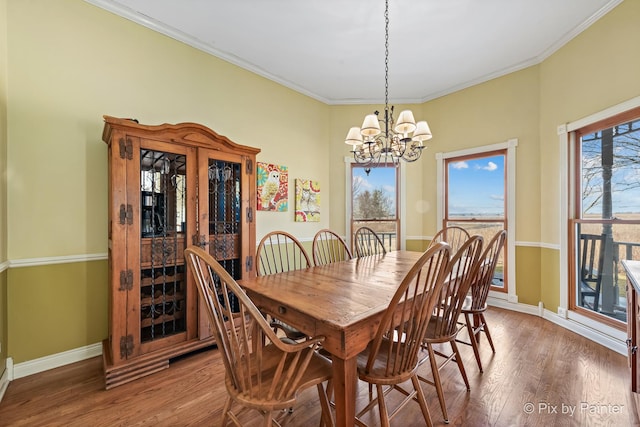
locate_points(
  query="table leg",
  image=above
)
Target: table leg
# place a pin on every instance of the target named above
(344, 389)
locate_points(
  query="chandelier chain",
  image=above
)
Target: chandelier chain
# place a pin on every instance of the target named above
(386, 56)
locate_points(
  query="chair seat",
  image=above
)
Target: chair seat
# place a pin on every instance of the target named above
(379, 374)
(467, 306)
(432, 327)
(318, 371)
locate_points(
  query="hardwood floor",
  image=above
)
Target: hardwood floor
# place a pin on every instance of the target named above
(541, 375)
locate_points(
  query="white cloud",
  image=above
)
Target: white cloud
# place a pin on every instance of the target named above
(362, 182)
(460, 165)
(497, 197)
(490, 167)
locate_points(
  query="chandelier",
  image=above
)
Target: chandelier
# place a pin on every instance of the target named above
(400, 140)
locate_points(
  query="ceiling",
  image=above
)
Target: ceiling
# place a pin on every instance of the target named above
(333, 50)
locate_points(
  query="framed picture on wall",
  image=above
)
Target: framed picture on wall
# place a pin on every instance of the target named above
(273, 187)
(307, 200)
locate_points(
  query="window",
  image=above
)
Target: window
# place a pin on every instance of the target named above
(475, 191)
(374, 202)
(475, 199)
(605, 214)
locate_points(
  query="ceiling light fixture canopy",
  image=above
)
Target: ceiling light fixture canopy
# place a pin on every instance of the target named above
(371, 145)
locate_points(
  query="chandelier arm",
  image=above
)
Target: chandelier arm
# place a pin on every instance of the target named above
(361, 157)
(413, 153)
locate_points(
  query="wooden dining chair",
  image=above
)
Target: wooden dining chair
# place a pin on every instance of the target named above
(329, 247)
(391, 359)
(367, 242)
(454, 235)
(277, 252)
(443, 327)
(475, 304)
(258, 377)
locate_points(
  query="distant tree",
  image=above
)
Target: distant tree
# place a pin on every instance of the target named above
(356, 186)
(601, 160)
(374, 204)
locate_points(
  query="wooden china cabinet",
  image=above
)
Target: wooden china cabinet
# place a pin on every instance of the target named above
(170, 186)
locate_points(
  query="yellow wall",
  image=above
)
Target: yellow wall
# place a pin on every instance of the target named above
(596, 70)
(528, 273)
(549, 292)
(485, 114)
(61, 85)
(68, 62)
(488, 113)
(58, 307)
(3, 185)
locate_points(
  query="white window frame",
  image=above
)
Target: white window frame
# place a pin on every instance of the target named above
(510, 146)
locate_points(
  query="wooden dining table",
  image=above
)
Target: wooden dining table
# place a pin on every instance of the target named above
(343, 302)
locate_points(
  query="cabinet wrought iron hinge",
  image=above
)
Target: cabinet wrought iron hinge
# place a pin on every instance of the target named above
(126, 280)
(249, 166)
(126, 346)
(126, 149)
(249, 263)
(249, 214)
(126, 214)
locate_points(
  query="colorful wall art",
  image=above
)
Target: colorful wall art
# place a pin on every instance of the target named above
(307, 200)
(273, 187)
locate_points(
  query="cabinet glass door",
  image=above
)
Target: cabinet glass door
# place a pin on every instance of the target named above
(163, 290)
(220, 207)
(224, 225)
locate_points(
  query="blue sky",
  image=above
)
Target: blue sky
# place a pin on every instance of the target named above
(378, 178)
(476, 186)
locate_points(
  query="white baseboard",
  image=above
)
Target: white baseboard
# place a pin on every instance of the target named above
(612, 343)
(4, 380)
(56, 360)
(514, 306)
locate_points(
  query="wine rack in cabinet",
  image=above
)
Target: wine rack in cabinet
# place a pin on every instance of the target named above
(170, 186)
